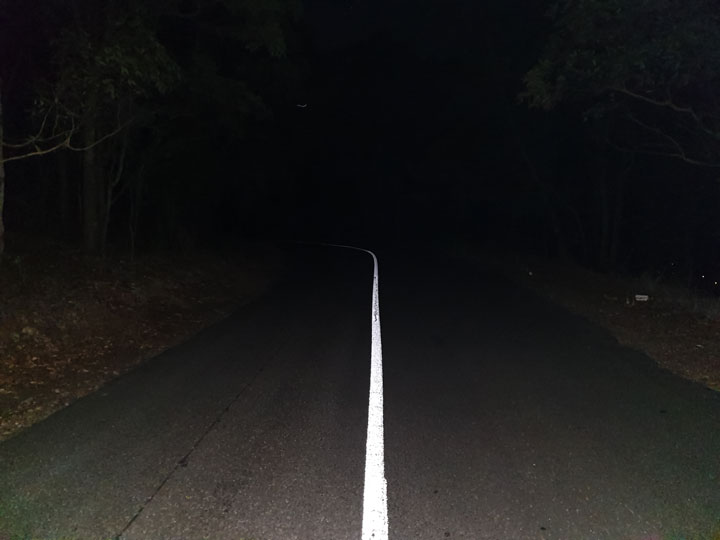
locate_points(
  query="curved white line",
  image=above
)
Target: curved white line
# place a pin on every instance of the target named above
(375, 515)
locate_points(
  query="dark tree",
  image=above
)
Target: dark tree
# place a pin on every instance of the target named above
(653, 65)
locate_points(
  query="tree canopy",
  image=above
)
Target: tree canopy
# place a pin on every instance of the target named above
(135, 85)
(652, 65)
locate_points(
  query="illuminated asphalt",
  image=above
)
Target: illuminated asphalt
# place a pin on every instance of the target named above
(505, 418)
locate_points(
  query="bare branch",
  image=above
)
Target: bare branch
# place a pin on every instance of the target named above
(670, 104)
(678, 153)
(38, 139)
(101, 139)
(66, 142)
(682, 157)
(673, 143)
(664, 103)
(39, 152)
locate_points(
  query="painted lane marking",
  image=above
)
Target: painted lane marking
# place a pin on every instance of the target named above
(375, 515)
(375, 518)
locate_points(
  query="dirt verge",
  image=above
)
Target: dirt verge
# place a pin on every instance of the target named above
(69, 323)
(679, 329)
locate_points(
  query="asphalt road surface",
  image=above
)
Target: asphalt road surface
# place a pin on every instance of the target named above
(505, 418)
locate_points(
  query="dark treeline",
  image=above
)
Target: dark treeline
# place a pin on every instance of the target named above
(148, 123)
(578, 129)
(638, 187)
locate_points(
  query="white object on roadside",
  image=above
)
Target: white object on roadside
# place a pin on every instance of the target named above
(641, 298)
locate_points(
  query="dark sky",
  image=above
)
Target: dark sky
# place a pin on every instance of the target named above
(417, 135)
(408, 109)
(336, 25)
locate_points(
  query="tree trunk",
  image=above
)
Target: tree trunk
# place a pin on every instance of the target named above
(63, 192)
(582, 236)
(619, 210)
(616, 228)
(2, 180)
(604, 217)
(113, 187)
(561, 250)
(688, 262)
(92, 194)
(135, 205)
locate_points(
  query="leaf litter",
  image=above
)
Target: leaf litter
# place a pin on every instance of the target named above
(70, 323)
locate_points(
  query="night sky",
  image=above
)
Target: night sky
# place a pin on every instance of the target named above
(409, 114)
(420, 136)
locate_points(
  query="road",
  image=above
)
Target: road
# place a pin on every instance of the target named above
(505, 418)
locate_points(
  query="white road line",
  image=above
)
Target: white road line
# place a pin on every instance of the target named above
(375, 516)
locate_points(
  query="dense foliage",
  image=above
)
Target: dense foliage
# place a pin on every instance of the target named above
(119, 96)
(653, 64)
